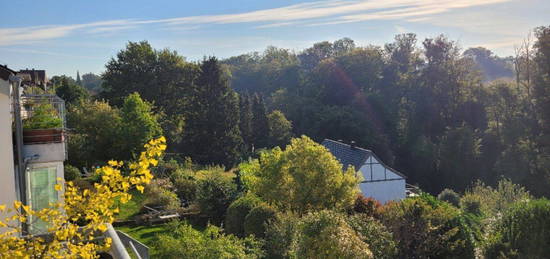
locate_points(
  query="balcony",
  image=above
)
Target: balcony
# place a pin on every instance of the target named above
(44, 126)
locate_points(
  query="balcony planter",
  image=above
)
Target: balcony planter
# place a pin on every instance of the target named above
(38, 136)
(43, 126)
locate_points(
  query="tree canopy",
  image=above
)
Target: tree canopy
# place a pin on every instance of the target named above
(304, 176)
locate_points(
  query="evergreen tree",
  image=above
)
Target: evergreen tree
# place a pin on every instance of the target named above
(78, 81)
(213, 135)
(70, 91)
(260, 123)
(542, 81)
(245, 123)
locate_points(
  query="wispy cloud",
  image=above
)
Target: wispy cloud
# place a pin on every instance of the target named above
(275, 25)
(312, 13)
(49, 53)
(27, 35)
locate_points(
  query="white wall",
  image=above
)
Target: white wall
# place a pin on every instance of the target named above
(7, 172)
(384, 191)
(386, 185)
(379, 171)
(49, 152)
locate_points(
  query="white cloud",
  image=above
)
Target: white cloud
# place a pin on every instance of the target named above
(311, 13)
(275, 25)
(26, 35)
(400, 29)
(49, 53)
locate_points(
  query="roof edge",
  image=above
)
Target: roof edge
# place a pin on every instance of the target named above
(370, 153)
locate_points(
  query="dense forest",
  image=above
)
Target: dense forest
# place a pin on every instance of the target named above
(245, 167)
(442, 116)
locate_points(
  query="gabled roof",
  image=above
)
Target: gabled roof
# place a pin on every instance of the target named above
(346, 154)
(356, 156)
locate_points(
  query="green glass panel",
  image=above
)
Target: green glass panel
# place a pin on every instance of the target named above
(42, 192)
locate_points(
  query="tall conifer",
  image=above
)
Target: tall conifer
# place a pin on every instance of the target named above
(213, 135)
(260, 123)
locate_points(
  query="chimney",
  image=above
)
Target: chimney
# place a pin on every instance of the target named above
(352, 144)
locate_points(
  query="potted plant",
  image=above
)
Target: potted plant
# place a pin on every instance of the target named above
(43, 126)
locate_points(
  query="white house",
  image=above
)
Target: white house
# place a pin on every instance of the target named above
(379, 181)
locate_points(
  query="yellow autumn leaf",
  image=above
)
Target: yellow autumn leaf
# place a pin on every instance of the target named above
(102, 228)
(140, 188)
(154, 162)
(112, 163)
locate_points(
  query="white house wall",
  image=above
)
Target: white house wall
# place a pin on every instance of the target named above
(379, 172)
(384, 191)
(49, 152)
(7, 171)
(386, 185)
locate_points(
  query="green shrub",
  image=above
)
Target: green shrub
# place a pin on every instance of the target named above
(71, 173)
(497, 200)
(449, 196)
(214, 195)
(522, 232)
(471, 204)
(325, 234)
(44, 116)
(183, 241)
(374, 233)
(159, 195)
(281, 235)
(186, 188)
(185, 184)
(163, 183)
(236, 214)
(425, 227)
(256, 221)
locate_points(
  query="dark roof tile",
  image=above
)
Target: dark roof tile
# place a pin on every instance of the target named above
(346, 154)
(355, 156)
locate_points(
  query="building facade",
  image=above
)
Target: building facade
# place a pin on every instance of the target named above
(32, 151)
(378, 180)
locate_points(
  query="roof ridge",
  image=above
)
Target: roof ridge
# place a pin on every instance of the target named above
(342, 143)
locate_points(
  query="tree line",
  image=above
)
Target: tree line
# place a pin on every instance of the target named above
(147, 93)
(442, 116)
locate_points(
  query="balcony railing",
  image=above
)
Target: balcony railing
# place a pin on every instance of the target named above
(43, 119)
(121, 243)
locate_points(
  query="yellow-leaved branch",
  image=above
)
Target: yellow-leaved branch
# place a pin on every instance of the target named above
(74, 225)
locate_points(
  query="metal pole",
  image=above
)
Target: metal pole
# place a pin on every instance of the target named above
(20, 177)
(20, 172)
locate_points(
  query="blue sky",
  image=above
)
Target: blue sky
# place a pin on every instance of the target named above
(64, 36)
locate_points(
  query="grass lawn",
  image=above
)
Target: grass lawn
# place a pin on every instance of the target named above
(144, 234)
(130, 209)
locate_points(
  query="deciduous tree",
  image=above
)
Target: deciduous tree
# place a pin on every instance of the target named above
(304, 177)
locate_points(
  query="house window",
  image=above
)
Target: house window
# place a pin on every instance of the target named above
(41, 192)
